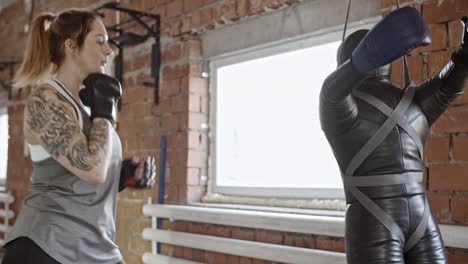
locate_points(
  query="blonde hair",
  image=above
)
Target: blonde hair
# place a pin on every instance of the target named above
(36, 64)
(46, 43)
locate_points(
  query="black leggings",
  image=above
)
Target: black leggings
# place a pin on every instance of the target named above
(368, 241)
(24, 250)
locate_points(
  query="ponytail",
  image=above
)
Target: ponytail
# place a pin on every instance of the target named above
(36, 65)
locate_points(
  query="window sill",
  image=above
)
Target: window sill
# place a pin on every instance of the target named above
(268, 203)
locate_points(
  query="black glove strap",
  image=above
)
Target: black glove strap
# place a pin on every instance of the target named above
(127, 170)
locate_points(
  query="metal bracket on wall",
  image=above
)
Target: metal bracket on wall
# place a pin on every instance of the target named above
(7, 84)
(130, 38)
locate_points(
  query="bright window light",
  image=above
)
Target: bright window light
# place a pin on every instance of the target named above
(3, 146)
(268, 131)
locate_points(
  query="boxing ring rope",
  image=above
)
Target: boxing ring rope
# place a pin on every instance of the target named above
(6, 213)
(454, 236)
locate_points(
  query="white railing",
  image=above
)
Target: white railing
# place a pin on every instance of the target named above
(6, 213)
(321, 225)
(333, 226)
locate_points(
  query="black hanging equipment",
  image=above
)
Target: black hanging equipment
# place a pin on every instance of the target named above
(131, 38)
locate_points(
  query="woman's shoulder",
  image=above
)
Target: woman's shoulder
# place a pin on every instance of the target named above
(44, 90)
(47, 93)
(45, 98)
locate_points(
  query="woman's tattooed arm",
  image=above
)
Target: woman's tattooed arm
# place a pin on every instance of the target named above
(52, 120)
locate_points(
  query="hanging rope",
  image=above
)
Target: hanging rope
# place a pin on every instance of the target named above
(346, 21)
(405, 61)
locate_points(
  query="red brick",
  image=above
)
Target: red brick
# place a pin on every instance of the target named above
(218, 231)
(198, 255)
(416, 68)
(195, 66)
(290, 2)
(170, 123)
(460, 208)
(210, 257)
(178, 252)
(391, 3)
(330, 244)
(195, 20)
(440, 206)
(178, 139)
(142, 61)
(256, 7)
(436, 61)
(452, 121)
(463, 99)
(267, 236)
(438, 37)
(273, 4)
(460, 148)
(206, 18)
(190, 5)
(175, 8)
(437, 149)
(219, 258)
(455, 29)
(175, 72)
(185, 25)
(175, 28)
(182, 195)
(448, 177)
(186, 253)
(170, 87)
(179, 103)
(171, 54)
(446, 11)
(243, 233)
(243, 7)
(457, 259)
(171, 193)
(299, 240)
(179, 226)
(192, 47)
(232, 259)
(397, 72)
(138, 244)
(225, 11)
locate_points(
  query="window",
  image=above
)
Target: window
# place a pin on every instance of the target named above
(266, 136)
(3, 144)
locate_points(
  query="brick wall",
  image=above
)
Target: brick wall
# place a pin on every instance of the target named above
(446, 149)
(183, 108)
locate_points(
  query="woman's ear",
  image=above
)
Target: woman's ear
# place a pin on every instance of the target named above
(70, 46)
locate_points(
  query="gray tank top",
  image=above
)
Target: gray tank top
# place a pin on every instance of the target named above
(70, 219)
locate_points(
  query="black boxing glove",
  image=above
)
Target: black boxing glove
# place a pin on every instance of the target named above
(394, 36)
(137, 173)
(101, 94)
(460, 56)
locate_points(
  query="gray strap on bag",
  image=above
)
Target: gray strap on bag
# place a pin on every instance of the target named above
(395, 117)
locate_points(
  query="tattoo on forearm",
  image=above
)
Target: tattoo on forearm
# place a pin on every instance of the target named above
(54, 121)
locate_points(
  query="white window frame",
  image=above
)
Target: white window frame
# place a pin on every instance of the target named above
(334, 34)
